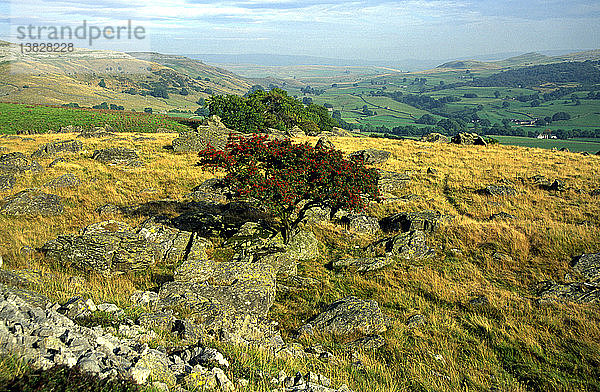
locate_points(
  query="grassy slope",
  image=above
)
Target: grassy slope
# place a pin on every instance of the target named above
(15, 117)
(511, 345)
(74, 77)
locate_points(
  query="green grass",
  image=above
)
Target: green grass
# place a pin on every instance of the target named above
(19, 117)
(572, 145)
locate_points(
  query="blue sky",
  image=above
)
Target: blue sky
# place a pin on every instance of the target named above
(378, 30)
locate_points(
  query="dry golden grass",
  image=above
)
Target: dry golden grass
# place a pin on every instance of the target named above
(510, 344)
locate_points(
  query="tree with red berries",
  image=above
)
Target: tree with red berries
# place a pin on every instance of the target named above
(288, 179)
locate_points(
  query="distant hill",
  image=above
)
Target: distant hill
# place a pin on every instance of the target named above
(467, 64)
(90, 77)
(522, 60)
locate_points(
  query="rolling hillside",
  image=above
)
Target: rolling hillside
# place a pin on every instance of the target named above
(90, 77)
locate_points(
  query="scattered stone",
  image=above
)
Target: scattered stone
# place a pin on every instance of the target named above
(347, 316)
(7, 181)
(77, 307)
(391, 181)
(426, 220)
(431, 171)
(557, 185)
(564, 149)
(588, 265)
(363, 264)
(578, 292)
(65, 181)
(51, 149)
(371, 156)
(324, 143)
(435, 138)
(211, 133)
(17, 163)
(32, 202)
(503, 216)
(148, 299)
(498, 190)
(109, 308)
(468, 139)
(117, 156)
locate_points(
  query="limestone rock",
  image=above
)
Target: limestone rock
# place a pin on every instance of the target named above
(7, 181)
(324, 143)
(498, 190)
(468, 139)
(371, 156)
(103, 253)
(52, 148)
(212, 132)
(588, 265)
(117, 156)
(65, 181)
(346, 317)
(210, 191)
(435, 138)
(427, 221)
(256, 243)
(17, 163)
(408, 246)
(230, 297)
(570, 292)
(32, 202)
(363, 224)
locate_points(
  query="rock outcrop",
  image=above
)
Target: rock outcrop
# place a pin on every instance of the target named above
(229, 299)
(53, 148)
(45, 338)
(371, 156)
(347, 316)
(212, 132)
(427, 221)
(117, 156)
(435, 138)
(32, 202)
(468, 139)
(18, 163)
(65, 181)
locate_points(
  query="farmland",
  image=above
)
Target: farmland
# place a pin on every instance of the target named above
(41, 119)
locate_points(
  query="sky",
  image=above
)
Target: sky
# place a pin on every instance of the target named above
(386, 30)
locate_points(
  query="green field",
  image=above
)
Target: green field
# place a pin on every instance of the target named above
(572, 145)
(41, 119)
(492, 103)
